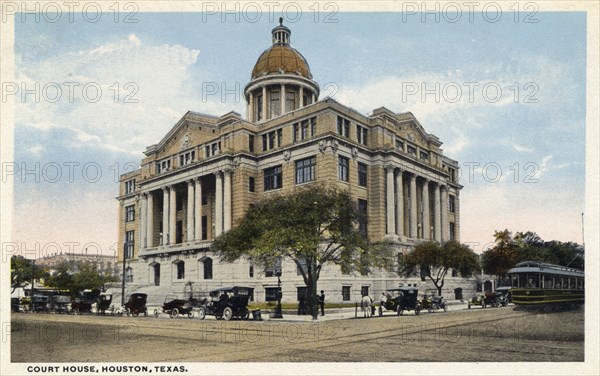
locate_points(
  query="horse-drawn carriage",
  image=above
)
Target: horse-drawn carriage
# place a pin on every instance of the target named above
(103, 304)
(175, 307)
(227, 303)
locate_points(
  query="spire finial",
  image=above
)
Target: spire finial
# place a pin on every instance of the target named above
(280, 21)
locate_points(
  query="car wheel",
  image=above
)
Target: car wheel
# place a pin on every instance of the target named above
(146, 312)
(400, 312)
(174, 313)
(190, 314)
(127, 312)
(417, 311)
(76, 311)
(246, 315)
(445, 308)
(135, 313)
(227, 313)
(156, 313)
(201, 313)
(482, 304)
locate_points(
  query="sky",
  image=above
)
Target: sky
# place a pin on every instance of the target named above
(506, 98)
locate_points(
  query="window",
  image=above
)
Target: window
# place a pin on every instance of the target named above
(179, 269)
(362, 174)
(305, 170)
(130, 186)
(290, 101)
(305, 129)
(364, 290)
(275, 106)
(271, 140)
(212, 149)
(128, 275)
(163, 166)
(207, 264)
(178, 201)
(346, 293)
(251, 187)
(274, 269)
(452, 231)
(251, 143)
(204, 225)
(251, 270)
(301, 267)
(411, 150)
(259, 107)
(361, 134)
(271, 294)
(129, 213)
(129, 244)
(343, 164)
(424, 156)
(399, 145)
(301, 293)
(186, 158)
(273, 178)
(343, 126)
(451, 204)
(452, 173)
(362, 217)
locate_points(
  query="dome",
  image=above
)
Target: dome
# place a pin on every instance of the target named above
(281, 59)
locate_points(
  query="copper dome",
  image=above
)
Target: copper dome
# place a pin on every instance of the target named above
(281, 58)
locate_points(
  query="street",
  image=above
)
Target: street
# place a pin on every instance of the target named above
(487, 335)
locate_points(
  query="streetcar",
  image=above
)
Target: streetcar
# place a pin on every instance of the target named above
(539, 284)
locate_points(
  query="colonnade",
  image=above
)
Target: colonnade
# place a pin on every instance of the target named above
(418, 210)
(265, 91)
(194, 211)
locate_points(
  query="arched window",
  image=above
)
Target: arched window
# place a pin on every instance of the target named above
(128, 275)
(179, 269)
(207, 264)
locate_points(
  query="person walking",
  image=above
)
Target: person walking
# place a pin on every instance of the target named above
(322, 302)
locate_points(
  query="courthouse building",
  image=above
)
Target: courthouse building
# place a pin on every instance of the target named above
(199, 179)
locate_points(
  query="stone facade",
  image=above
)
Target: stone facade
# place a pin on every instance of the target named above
(199, 179)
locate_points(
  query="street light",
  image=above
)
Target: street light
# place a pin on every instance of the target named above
(278, 313)
(125, 246)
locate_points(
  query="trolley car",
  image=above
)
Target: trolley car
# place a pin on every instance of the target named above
(540, 284)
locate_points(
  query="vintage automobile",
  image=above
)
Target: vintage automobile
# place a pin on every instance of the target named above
(175, 307)
(60, 303)
(227, 303)
(488, 299)
(136, 304)
(40, 303)
(80, 306)
(103, 304)
(431, 302)
(408, 300)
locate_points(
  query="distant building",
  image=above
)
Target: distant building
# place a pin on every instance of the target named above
(106, 264)
(199, 179)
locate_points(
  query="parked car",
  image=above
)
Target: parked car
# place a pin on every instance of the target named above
(136, 304)
(40, 303)
(175, 307)
(432, 302)
(408, 300)
(227, 303)
(60, 303)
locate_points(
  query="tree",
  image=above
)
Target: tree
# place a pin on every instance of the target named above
(313, 226)
(78, 276)
(433, 261)
(503, 256)
(22, 271)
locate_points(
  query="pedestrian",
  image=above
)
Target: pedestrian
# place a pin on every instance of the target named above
(382, 300)
(322, 302)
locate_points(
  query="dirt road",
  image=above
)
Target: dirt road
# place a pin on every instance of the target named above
(500, 334)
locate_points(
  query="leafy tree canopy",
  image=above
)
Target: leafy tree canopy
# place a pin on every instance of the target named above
(433, 261)
(22, 271)
(510, 250)
(77, 276)
(312, 227)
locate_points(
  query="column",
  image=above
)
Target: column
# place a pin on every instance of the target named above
(150, 220)
(426, 214)
(399, 204)
(198, 210)
(227, 200)
(165, 218)
(313, 98)
(189, 234)
(444, 204)
(436, 213)
(264, 103)
(413, 206)
(457, 216)
(301, 101)
(143, 222)
(389, 200)
(218, 204)
(172, 215)
(282, 99)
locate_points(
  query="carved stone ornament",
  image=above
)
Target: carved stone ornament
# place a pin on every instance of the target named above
(186, 140)
(287, 155)
(334, 146)
(411, 137)
(322, 146)
(354, 152)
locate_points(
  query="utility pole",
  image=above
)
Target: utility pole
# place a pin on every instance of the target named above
(123, 280)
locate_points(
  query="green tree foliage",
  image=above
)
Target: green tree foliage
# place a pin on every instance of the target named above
(75, 277)
(525, 246)
(22, 271)
(433, 261)
(312, 227)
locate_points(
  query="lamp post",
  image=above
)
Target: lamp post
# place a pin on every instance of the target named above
(278, 314)
(125, 244)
